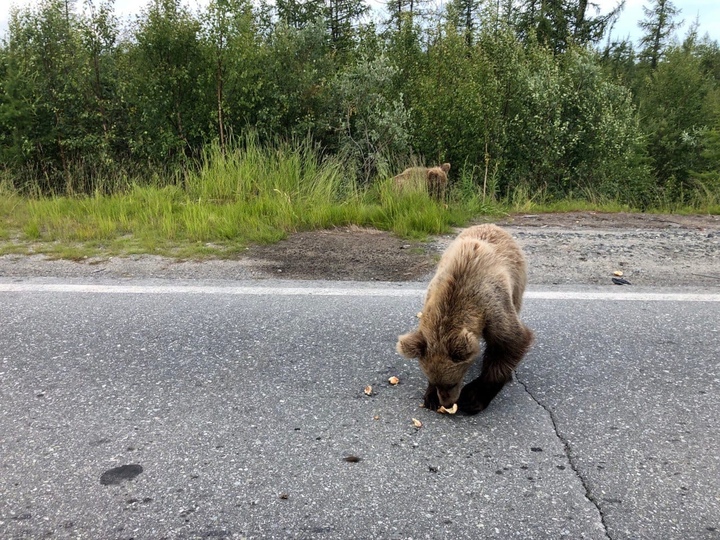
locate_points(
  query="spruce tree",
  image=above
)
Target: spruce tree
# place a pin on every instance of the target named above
(659, 24)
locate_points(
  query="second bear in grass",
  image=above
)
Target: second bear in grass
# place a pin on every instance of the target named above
(475, 294)
(434, 179)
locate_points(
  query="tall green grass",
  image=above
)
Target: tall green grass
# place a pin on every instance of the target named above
(252, 193)
(247, 194)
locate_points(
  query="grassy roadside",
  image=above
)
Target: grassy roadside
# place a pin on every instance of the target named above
(252, 195)
(167, 221)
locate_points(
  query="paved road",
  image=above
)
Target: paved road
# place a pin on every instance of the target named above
(227, 410)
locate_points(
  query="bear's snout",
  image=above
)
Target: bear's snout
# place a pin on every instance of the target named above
(448, 397)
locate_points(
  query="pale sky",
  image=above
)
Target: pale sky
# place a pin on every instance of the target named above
(122, 8)
(707, 10)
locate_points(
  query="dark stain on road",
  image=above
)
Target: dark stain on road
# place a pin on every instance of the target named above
(114, 476)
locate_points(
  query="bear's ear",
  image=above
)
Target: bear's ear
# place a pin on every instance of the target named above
(463, 346)
(445, 167)
(412, 345)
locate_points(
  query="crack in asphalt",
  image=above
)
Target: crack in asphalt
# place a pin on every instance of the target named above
(568, 454)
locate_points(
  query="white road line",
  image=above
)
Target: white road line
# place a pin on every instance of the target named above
(629, 296)
(337, 291)
(205, 289)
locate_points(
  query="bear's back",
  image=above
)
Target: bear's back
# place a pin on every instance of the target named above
(509, 256)
(481, 264)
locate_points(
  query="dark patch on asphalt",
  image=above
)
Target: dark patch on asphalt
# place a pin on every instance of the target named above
(113, 477)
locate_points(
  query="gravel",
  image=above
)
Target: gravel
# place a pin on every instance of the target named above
(562, 249)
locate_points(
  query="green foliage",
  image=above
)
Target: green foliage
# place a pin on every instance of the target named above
(517, 116)
(246, 193)
(44, 92)
(458, 102)
(339, 18)
(167, 110)
(602, 144)
(296, 71)
(374, 124)
(405, 53)
(512, 94)
(558, 24)
(676, 103)
(620, 61)
(413, 213)
(232, 60)
(706, 174)
(659, 24)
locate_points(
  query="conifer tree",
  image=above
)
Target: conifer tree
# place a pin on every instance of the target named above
(659, 24)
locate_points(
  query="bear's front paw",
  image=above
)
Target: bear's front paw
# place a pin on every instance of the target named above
(431, 400)
(470, 401)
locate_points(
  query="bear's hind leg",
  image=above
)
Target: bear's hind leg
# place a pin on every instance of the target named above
(502, 355)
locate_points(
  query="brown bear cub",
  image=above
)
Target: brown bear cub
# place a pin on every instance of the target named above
(475, 293)
(434, 178)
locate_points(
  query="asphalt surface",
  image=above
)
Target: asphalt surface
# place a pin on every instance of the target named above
(230, 410)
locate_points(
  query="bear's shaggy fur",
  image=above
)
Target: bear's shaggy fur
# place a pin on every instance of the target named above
(435, 179)
(476, 293)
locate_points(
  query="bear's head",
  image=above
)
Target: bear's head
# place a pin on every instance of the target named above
(437, 181)
(444, 362)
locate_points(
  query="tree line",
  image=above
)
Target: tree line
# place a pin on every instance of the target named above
(514, 93)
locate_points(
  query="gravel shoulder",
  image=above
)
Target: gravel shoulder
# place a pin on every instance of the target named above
(583, 248)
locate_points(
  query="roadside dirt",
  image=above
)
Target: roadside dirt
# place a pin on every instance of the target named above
(652, 250)
(619, 220)
(567, 248)
(347, 253)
